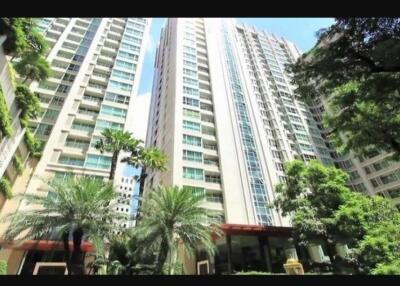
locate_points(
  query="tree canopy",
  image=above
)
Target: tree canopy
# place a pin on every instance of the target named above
(22, 36)
(322, 207)
(356, 67)
(173, 217)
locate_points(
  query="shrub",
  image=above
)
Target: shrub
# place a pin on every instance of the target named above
(5, 117)
(34, 145)
(3, 267)
(19, 165)
(391, 268)
(5, 188)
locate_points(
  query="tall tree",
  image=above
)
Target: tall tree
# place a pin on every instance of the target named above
(356, 66)
(173, 217)
(323, 207)
(370, 225)
(116, 141)
(81, 207)
(311, 196)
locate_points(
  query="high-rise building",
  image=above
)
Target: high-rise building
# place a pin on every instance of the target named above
(96, 66)
(373, 175)
(226, 115)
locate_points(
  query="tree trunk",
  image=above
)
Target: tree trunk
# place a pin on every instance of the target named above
(330, 249)
(65, 238)
(162, 257)
(26, 78)
(173, 259)
(113, 165)
(77, 260)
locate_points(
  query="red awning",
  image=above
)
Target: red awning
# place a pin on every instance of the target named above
(256, 229)
(44, 245)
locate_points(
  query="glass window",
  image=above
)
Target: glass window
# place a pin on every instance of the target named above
(190, 91)
(119, 86)
(190, 125)
(191, 101)
(67, 160)
(125, 65)
(192, 173)
(98, 161)
(76, 143)
(191, 140)
(192, 156)
(189, 72)
(197, 191)
(123, 75)
(44, 129)
(83, 126)
(127, 56)
(103, 124)
(51, 114)
(113, 97)
(191, 113)
(113, 111)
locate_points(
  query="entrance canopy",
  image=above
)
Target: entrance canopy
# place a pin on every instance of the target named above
(44, 245)
(242, 229)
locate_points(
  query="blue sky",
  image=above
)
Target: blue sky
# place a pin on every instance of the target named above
(300, 31)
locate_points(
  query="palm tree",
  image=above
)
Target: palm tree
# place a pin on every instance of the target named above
(33, 66)
(172, 217)
(81, 207)
(116, 141)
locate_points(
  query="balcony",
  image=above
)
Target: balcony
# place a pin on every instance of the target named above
(109, 51)
(99, 78)
(102, 67)
(211, 166)
(106, 59)
(95, 89)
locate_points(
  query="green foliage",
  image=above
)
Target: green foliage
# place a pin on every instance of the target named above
(3, 267)
(116, 141)
(33, 66)
(28, 102)
(12, 72)
(391, 268)
(173, 217)
(69, 206)
(19, 165)
(312, 194)
(322, 207)
(5, 188)
(5, 117)
(22, 36)
(380, 248)
(356, 65)
(34, 145)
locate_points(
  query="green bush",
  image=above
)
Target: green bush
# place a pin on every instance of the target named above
(12, 72)
(3, 267)
(5, 117)
(19, 165)
(391, 268)
(34, 145)
(28, 102)
(5, 188)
